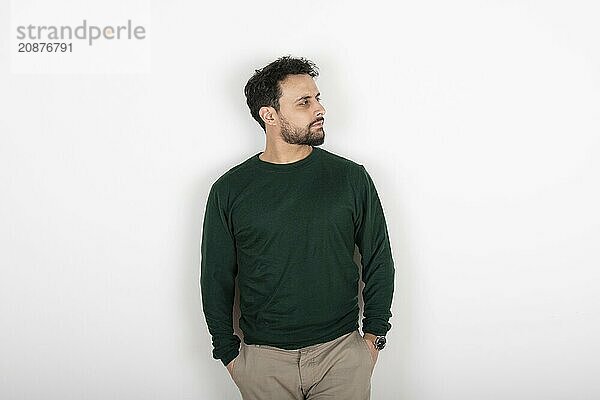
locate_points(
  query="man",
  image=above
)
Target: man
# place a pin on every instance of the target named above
(285, 222)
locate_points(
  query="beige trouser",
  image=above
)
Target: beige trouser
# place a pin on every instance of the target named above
(339, 369)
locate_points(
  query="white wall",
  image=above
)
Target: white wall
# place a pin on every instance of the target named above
(479, 122)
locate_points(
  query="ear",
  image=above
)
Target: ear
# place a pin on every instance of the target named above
(268, 115)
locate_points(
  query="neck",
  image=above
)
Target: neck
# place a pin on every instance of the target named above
(285, 153)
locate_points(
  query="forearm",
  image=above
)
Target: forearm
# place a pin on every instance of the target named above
(218, 312)
(377, 295)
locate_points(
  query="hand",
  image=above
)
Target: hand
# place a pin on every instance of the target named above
(370, 339)
(230, 366)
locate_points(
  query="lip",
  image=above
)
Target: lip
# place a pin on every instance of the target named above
(320, 123)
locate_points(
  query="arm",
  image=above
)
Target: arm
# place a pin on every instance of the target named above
(372, 239)
(217, 277)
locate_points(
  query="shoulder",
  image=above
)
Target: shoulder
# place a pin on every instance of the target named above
(334, 161)
(335, 158)
(233, 176)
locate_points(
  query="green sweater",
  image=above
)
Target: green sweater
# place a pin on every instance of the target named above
(288, 231)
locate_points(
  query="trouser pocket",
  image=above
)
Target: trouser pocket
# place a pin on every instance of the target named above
(365, 346)
(238, 363)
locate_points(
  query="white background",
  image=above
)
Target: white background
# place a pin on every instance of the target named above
(478, 121)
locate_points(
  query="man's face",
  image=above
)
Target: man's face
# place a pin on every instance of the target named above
(300, 111)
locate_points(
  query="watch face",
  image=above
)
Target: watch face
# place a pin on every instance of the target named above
(380, 342)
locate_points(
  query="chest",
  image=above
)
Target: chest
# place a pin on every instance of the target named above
(268, 212)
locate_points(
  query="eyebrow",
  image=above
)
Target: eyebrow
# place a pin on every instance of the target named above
(307, 97)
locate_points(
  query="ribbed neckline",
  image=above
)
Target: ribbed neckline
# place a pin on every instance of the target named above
(287, 166)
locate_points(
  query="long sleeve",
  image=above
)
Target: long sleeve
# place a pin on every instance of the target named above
(217, 277)
(371, 237)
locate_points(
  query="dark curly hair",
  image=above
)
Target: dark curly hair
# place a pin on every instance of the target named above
(263, 89)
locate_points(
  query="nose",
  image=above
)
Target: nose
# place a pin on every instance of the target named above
(320, 111)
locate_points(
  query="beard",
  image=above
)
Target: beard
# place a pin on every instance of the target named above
(307, 135)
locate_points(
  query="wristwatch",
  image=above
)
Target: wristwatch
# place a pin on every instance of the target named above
(379, 342)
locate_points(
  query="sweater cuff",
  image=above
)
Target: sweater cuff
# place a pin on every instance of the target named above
(378, 327)
(230, 356)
